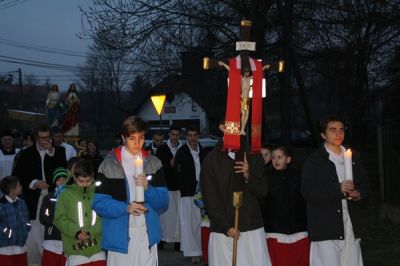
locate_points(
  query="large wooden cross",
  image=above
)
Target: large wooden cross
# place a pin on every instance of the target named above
(243, 46)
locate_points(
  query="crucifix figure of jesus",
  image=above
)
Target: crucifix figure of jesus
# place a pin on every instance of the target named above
(246, 86)
(247, 69)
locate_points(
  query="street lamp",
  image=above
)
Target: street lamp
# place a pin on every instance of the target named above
(158, 103)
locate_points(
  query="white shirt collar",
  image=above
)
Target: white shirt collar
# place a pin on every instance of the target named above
(10, 200)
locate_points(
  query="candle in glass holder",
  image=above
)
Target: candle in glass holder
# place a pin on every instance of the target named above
(139, 190)
(348, 165)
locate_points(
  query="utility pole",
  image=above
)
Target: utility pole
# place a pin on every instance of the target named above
(20, 87)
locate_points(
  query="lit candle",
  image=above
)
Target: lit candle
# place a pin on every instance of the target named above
(348, 165)
(139, 190)
(138, 166)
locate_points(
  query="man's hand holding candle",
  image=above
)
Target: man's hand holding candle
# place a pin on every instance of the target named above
(346, 186)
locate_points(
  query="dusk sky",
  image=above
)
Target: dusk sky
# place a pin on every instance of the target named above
(49, 24)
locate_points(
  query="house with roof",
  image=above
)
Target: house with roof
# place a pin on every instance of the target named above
(194, 97)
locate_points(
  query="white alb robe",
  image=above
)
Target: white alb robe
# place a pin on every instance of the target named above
(251, 251)
(190, 223)
(190, 217)
(139, 253)
(170, 218)
(345, 252)
(6, 163)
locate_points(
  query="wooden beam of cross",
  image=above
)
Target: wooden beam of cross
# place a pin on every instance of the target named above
(244, 46)
(240, 82)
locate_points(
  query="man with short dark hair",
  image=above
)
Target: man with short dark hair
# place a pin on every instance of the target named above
(58, 140)
(218, 181)
(131, 228)
(188, 161)
(35, 166)
(333, 199)
(170, 219)
(158, 141)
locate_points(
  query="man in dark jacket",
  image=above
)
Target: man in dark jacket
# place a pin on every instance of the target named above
(35, 166)
(158, 141)
(188, 164)
(217, 187)
(170, 219)
(333, 199)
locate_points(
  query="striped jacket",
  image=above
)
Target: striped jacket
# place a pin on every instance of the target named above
(112, 198)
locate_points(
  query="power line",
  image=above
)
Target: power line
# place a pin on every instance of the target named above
(15, 60)
(11, 4)
(67, 68)
(40, 48)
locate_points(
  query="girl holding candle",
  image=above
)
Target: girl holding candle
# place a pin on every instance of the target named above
(128, 202)
(79, 225)
(333, 198)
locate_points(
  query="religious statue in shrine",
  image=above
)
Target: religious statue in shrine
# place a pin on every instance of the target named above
(72, 115)
(54, 106)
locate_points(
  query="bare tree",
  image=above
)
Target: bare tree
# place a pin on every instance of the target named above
(332, 48)
(348, 44)
(31, 80)
(157, 32)
(105, 77)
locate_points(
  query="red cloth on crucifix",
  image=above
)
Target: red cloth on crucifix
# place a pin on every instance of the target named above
(233, 107)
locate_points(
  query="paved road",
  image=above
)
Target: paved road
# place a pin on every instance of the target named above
(169, 257)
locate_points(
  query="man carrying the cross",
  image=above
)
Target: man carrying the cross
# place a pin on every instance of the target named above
(217, 186)
(231, 175)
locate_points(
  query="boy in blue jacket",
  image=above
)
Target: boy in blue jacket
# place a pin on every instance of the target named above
(14, 224)
(131, 229)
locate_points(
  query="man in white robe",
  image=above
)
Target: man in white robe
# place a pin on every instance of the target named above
(58, 140)
(7, 154)
(333, 200)
(170, 219)
(217, 186)
(188, 164)
(34, 167)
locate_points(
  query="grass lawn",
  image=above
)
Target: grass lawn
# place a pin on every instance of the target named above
(381, 238)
